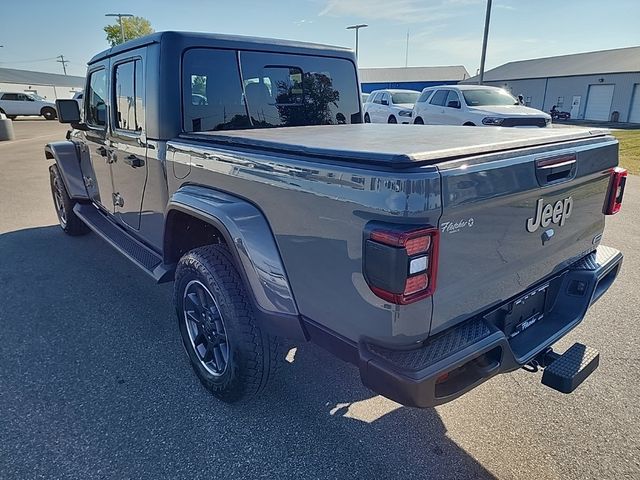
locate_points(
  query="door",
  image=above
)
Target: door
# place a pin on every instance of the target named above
(575, 106)
(128, 141)
(383, 108)
(435, 108)
(451, 109)
(634, 110)
(599, 100)
(95, 116)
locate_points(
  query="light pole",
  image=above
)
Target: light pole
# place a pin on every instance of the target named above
(484, 41)
(120, 15)
(357, 28)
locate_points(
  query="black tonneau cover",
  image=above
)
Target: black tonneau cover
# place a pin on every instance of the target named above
(397, 146)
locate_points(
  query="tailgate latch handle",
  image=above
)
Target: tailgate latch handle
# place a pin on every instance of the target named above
(556, 169)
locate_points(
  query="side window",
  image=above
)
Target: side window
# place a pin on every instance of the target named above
(211, 91)
(453, 97)
(439, 98)
(424, 96)
(128, 102)
(96, 109)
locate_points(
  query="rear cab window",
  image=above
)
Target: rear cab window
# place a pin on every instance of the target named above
(224, 90)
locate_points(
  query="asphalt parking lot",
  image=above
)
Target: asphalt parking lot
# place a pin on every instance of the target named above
(94, 382)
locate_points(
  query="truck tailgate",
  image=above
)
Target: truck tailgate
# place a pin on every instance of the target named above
(509, 223)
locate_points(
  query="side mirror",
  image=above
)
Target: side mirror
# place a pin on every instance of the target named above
(454, 104)
(384, 102)
(68, 111)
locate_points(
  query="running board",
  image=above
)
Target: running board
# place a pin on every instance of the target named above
(141, 255)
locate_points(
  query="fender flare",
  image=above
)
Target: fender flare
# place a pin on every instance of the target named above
(248, 234)
(66, 157)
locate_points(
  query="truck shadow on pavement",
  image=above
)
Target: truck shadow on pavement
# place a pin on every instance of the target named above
(94, 383)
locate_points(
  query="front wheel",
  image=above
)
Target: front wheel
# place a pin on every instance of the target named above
(67, 218)
(48, 113)
(229, 352)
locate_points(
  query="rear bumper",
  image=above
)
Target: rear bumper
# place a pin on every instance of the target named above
(461, 358)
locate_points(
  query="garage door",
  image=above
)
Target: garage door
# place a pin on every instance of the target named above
(598, 102)
(634, 111)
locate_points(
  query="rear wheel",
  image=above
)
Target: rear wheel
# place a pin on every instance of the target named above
(68, 220)
(231, 355)
(418, 121)
(392, 119)
(367, 119)
(48, 113)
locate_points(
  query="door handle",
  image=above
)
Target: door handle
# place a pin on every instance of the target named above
(133, 161)
(102, 151)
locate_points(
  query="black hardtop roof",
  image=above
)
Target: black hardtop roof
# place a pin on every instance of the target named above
(200, 39)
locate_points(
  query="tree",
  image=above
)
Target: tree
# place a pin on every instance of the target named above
(134, 27)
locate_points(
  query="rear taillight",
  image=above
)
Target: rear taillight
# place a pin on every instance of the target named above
(613, 202)
(400, 263)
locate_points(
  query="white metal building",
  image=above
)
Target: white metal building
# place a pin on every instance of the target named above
(603, 85)
(48, 85)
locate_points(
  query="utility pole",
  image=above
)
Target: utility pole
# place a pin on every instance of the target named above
(63, 62)
(406, 55)
(484, 41)
(357, 28)
(120, 15)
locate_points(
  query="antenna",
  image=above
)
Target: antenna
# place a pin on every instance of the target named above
(63, 62)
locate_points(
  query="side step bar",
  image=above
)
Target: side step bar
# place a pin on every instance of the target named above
(141, 255)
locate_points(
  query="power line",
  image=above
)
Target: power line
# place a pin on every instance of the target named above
(63, 62)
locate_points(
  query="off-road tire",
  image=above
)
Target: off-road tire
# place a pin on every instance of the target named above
(418, 121)
(367, 118)
(48, 113)
(253, 355)
(63, 204)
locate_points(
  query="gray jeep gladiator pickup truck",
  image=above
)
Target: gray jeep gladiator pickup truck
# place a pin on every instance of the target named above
(432, 258)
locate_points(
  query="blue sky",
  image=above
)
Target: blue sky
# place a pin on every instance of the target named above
(442, 32)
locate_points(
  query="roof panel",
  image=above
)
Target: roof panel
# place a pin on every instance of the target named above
(618, 60)
(27, 77)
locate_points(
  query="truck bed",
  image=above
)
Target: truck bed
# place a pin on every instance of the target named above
(395, 146)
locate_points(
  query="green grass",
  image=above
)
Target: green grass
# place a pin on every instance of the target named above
(629, 149)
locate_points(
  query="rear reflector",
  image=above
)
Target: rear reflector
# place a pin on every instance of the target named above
(617, 183)
(416, 284)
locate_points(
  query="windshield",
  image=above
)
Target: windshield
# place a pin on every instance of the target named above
(482, 97)
(404, 97)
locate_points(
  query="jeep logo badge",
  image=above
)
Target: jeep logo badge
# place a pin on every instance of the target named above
(545, 214)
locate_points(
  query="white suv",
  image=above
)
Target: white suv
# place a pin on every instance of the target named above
(13, 104)
(475, 105)
(390, 106)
